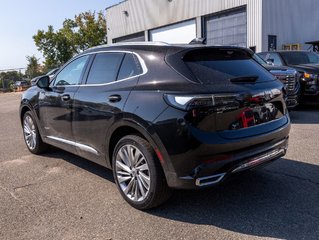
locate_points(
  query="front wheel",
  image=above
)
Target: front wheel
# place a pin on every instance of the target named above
(138, 174)
(31, 135)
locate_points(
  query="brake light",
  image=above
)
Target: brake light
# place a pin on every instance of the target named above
(247, 118)
(190, 102)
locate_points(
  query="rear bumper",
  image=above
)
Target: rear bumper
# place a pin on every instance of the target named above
(209, 164)
(256, 160)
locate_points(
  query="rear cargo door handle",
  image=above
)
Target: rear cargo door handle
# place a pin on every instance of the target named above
(115, 98)
(66, 97)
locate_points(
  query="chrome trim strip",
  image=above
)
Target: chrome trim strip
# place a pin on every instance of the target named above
(140, 59)
(217, 177)
(75, 144)
(260, 159)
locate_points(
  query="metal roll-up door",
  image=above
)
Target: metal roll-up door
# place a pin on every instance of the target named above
(227, 28)
(136, 37)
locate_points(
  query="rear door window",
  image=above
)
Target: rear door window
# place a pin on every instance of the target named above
(130, 67)
(212, 66)
(105, 68)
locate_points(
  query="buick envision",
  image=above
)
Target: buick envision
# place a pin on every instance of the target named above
(161, 116)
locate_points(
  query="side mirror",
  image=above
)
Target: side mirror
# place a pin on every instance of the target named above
(44, 82)
(270, 61)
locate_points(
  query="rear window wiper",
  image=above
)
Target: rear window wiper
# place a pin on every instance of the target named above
(244, 79)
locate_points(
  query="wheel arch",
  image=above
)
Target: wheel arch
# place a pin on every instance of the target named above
(124, 128)
(23, 110)
(25, 107)
(119, 130)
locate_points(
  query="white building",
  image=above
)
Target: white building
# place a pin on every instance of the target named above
(258, 24)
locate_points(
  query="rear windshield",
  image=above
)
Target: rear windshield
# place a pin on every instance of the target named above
(297, 58)
(212, 66)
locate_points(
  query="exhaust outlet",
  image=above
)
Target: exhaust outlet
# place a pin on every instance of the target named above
(210, 180)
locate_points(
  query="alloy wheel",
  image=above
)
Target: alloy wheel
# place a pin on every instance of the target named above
(29, 131)
(132, 173)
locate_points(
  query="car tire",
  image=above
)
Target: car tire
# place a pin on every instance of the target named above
(31, 134)
(138, 173)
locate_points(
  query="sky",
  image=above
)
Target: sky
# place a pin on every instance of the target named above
(21, 19)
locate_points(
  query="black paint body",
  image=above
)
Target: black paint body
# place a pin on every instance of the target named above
(190, 145)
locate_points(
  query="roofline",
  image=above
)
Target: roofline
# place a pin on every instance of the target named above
(115, 4)
(160, 44)
(131, 44)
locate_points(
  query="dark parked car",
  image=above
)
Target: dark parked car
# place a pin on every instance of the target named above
(289, 77)
(161, 116)
(21, 85)
(307, 64)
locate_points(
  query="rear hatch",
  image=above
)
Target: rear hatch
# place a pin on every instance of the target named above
(237, 98)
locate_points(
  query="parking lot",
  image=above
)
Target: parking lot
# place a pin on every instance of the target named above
(61, 196)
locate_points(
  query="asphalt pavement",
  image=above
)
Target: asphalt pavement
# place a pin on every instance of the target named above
(61, 196)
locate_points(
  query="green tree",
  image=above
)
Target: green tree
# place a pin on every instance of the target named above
(86, 30)
(8, 78)
(11, 75)
(33, 67)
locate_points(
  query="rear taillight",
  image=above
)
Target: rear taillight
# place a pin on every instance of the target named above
(189, 102)
(247, 118)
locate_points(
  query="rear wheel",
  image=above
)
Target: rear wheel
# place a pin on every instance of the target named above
(31, 135)
(138, 174)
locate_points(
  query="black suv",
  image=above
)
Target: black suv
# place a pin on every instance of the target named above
(307, 64)
(161, 116)
(288, 76)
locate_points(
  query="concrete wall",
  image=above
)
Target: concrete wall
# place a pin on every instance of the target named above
(149, 14)
(293, 21)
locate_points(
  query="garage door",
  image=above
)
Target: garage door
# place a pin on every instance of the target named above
(228, 28)
(137, 37)
(183, 32)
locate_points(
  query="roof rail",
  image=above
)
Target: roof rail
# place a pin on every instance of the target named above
(131, 44)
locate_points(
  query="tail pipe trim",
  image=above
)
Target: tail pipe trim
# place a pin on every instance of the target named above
(261, 159)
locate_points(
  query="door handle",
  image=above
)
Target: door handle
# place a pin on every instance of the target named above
(115, 98)
(66, 97)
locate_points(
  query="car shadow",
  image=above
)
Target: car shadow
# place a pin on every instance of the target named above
(305, 115)
(81, 163)
(279, 200)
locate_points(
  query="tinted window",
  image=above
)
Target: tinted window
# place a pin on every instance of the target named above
(71, 74)
(105, 68)
(260, 60)
(263, 55)
(130, 67)
(219, 66)
(296, 58)
(276, 59)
